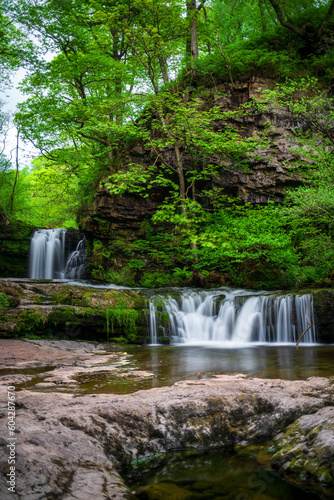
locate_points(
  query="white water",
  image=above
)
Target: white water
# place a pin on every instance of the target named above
(76, 262)
(241, 318)
(47, 258)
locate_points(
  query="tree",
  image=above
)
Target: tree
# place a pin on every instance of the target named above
(310, 208)
(76, 101)
(179, 131)
(284, 16)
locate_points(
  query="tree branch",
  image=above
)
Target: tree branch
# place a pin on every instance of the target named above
(325, 21)
(286, 24)
(302, 335)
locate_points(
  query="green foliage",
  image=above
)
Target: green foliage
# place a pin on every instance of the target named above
(108, 86)
(182, 273)
(3, 303)
(124, 318)
(15, 48)
(135, 264)
(157, 279)
(45, 196)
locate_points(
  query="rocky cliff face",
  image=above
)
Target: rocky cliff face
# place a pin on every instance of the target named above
(272, 170)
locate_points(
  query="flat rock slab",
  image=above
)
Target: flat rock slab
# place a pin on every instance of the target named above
(66, 359)
(70, 447)
(14, 353)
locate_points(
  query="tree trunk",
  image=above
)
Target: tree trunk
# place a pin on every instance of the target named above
(163, 67)
(192, 42)
(11, 208)
(180, 173)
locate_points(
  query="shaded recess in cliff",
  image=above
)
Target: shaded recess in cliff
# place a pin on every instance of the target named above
(14, 246)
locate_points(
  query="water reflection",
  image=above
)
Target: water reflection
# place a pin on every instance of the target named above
(286, 362)
(170, 364)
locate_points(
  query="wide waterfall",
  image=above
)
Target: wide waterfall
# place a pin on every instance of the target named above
(231, 317)
(50, 258)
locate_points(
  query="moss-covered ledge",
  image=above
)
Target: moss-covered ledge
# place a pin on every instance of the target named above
(56, 309)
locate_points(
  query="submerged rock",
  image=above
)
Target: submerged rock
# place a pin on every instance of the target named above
(163, 491)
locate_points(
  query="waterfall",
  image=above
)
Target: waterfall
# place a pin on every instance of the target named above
(76, 262)
(233, 317)
(47, 256)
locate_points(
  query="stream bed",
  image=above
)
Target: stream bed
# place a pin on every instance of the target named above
(87, 368)
(171, 364)
(217, 477)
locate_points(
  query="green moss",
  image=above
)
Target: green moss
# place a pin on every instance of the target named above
(164, 319)
(30, 320)
(125, 319)
(3, 303)
(163, 339)
(88, 312)
(61, 315)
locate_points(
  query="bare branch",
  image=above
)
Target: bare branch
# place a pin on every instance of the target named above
(286, 24)
(302, 335)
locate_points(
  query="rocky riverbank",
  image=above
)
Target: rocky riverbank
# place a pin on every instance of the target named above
(71, 446)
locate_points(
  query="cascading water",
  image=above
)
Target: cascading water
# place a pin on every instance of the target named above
(234, 317)
(47, 254)
(47, 259)
(76, 262)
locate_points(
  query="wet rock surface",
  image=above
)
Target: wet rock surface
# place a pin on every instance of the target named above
(63, 360)
(71, 446)
(307, 448)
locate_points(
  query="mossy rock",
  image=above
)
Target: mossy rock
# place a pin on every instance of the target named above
(61, 316)
(30, 320)
(13, 292)
(14, 246)
(163, 339)
(323, 301)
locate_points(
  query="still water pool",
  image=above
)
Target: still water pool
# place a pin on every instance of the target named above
(169, 364)
(218, 477)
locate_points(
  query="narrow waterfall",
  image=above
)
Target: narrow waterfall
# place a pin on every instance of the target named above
(49, 257)
(76, 262)
(234, 317)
